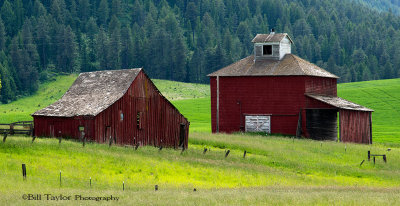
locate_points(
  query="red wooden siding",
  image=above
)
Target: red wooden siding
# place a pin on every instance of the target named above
(160, 121)
(355, 126)
(321, 85)
(281, 97)
(63, 127)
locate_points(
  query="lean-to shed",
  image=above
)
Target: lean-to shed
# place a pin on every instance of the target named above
(121, 106)
(275, 91)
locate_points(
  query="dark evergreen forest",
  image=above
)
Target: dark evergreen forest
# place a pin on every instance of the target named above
(185, 40)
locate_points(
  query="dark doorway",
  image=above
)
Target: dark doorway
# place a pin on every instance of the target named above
(182, 133)
(322, 124)
(107, 134)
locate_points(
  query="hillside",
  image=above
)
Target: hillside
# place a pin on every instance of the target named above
(276, 171)
(185, 40)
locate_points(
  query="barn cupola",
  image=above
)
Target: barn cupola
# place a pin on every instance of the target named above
(272, 46)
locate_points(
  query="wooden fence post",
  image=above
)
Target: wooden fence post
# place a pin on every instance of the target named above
(227, 153)
(24, 171)
(5, 136)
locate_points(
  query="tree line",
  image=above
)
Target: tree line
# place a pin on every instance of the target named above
(185, 40)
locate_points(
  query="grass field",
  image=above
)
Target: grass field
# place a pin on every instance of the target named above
(276, 170)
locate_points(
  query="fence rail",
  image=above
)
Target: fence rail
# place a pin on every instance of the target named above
(23, 127)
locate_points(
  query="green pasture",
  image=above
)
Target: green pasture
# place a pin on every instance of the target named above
(48, 93)
(277, 166)
(179, 90)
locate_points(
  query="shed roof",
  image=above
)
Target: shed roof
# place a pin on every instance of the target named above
(339, 103)
(272, 37)
(91, 93)
(289, 65)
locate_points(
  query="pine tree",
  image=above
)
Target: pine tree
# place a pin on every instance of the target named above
(102, 13)
(8, 16)
(2, 36)
(114, 49)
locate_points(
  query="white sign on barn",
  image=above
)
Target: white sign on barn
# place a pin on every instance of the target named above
(258, 123)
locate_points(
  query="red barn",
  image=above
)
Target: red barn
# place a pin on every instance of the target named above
(275, 91)
(121, 106)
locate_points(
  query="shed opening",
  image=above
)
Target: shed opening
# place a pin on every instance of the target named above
(321, 124)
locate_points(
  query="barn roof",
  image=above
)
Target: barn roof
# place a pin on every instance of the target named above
(290, 65)
(91, 93)
(339, 103)
(272, 37)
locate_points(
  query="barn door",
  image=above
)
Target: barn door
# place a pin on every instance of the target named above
(58, 129)
(107, 134)
(51, 128)
(258, 123)
(182, 133)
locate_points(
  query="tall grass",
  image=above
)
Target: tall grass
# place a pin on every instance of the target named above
(276, 170)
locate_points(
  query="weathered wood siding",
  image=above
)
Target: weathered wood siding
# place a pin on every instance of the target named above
(258, 51)
(159, 120)
(285, 47)
(321, 85)
(355, 126)
(67, 127)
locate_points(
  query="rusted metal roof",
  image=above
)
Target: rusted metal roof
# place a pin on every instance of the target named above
(339, 103)
(91, 93)
(290, 65)
(275, 37)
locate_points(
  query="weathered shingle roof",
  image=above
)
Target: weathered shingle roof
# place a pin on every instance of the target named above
(276, 37)
(290, 65)
(339, 103)
(91, 93)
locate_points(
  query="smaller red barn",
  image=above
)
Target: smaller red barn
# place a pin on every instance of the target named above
(121, 106)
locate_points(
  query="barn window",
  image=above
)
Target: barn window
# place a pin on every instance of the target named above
(81, 128)
(121, 115)
(267, 49)
(139, 120)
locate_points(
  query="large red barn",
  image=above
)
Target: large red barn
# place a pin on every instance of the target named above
(121, 106)
(275, 91)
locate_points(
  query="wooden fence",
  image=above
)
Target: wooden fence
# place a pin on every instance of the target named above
(23, 127)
